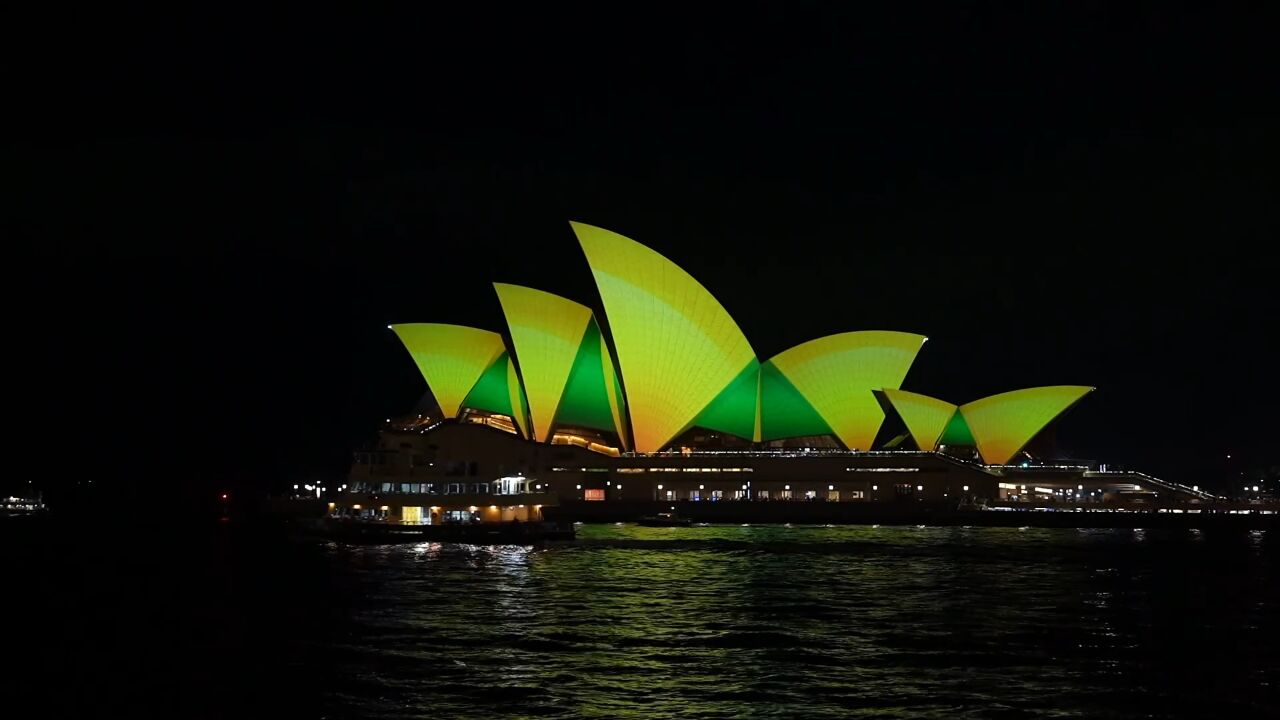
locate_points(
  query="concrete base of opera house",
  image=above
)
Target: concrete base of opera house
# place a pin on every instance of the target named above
(455, 472)
(458, 458)
(1008, 515)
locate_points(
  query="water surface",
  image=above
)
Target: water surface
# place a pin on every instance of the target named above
(705, 622)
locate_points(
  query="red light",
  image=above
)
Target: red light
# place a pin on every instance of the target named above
(224, 496)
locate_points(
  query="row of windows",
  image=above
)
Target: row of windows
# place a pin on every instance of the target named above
(505, 486)
(713, 495)
(688, 469)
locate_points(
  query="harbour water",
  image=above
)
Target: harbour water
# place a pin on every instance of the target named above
(702, 622)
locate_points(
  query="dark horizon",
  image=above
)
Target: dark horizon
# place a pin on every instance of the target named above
(219, 226)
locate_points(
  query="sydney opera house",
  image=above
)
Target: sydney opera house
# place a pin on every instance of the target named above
(662, 398)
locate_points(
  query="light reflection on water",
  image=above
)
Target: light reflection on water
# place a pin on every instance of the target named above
(630, 622)
(770, 621)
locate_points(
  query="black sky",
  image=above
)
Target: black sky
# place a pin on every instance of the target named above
(217, 215)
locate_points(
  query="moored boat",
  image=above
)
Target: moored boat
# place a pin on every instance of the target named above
(664, 519)
(504, 533)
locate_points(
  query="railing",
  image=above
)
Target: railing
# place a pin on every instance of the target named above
(1157, 482)
(1050, 468)
(492, 487)
(784, 452)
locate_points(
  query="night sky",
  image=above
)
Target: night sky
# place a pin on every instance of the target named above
(217, 215)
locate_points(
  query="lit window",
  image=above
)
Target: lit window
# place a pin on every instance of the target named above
(593, 494)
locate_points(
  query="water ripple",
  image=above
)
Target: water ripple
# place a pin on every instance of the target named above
(729, 621)
(703, 622)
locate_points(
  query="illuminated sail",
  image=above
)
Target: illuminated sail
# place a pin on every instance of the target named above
(677, 346)
(592, 396)
(1003, 424)
(837, 375)
(926, 418)
(451, 358)
(567, 370)
(546, 330)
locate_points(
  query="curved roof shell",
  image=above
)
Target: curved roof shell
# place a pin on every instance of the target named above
(451, 358)
(837, 375)
(677, 346)
(685, 362)
(592, 395)
(926, 418)
(1003, 424)
(566, 368)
